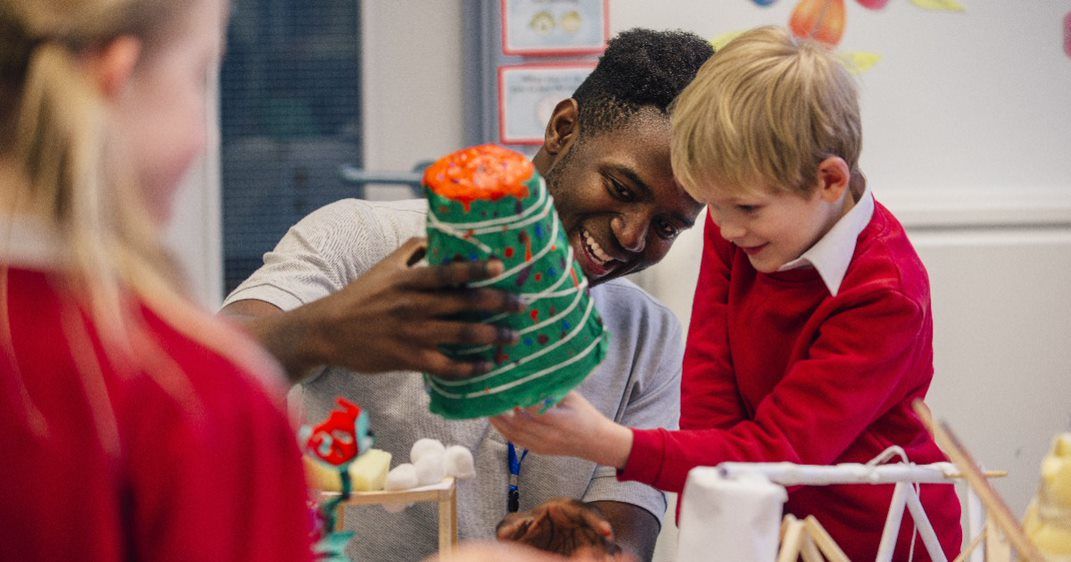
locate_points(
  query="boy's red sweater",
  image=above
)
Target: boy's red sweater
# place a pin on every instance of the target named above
(778, 369)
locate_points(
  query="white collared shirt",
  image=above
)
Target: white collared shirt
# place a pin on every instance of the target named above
(832, 254)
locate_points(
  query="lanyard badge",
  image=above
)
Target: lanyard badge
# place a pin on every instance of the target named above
(513, 502)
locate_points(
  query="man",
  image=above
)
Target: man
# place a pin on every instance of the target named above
(606, 161)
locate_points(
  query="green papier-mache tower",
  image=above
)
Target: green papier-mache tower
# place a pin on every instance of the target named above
(489, 202)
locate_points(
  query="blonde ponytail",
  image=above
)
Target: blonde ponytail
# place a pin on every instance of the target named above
(79, 187)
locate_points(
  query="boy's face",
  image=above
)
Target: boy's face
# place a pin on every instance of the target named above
(618, 200)
(772, 227)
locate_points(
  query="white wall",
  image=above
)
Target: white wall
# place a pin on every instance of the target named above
(411, 84)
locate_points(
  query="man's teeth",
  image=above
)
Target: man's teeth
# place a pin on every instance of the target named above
(595, 250)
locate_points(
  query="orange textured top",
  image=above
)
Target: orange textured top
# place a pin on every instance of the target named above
(485, 172)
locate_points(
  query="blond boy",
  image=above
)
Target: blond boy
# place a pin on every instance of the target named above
(811, 331)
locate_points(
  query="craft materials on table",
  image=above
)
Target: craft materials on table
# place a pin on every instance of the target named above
(336, 443)
(734, 511)
(341, 464)
(1048, 519)
(1003, 532)
(489, 202)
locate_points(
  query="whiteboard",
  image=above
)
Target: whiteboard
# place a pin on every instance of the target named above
(964, 105)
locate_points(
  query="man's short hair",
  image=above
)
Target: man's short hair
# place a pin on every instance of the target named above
(640, 68)
(763, 114)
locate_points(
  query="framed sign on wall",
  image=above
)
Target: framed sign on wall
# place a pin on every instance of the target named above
(554, 27)
(527, 94)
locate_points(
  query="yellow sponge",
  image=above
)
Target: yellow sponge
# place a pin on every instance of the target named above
(368, 473)
(1048, 519)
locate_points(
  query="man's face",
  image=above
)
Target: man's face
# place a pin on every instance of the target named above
(617, 199)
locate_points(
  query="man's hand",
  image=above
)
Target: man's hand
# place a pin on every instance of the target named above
(564, 526)
(393, 317)
(511, 552)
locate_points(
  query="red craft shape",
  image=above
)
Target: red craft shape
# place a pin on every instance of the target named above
(821, 20)
(335, 440)
(1067, 34)
(873, 4)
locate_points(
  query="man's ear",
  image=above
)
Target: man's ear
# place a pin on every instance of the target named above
(113, 64)
(563, 128)
(834, 177)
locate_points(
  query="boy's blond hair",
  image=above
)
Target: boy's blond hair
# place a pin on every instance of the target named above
(762, 113)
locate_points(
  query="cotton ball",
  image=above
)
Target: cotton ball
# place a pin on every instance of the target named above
(401, 477)
(423, 447)
(430, 469)
(459, 463)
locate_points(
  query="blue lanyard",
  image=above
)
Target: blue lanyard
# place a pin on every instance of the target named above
(513, 502)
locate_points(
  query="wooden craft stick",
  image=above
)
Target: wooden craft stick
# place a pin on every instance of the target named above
(810, 551)
(987, 474)
(793, 541)
(963, 556)
(829, 547)
(998, 510)
(997, 548)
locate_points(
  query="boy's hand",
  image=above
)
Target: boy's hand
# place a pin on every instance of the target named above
(564, 526)
(572, 428)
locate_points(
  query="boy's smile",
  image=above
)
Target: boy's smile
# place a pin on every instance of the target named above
(774, 228)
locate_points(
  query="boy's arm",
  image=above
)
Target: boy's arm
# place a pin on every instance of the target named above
(870, 359)
(709, 396)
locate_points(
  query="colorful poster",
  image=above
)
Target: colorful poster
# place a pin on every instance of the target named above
(554, 27)
(527, 95)
(1067, 34)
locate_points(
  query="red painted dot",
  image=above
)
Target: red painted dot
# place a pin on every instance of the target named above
(539, 277)
(502, 358)
(509, 252)
(543, 339)
(535, 314)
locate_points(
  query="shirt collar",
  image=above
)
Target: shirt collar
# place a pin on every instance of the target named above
(832, 254)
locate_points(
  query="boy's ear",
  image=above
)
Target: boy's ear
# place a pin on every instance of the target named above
(563, 128)
(113, 64)
(834, 177)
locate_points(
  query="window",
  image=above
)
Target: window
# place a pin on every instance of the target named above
(290, 114)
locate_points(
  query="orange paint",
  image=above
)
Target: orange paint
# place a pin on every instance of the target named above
(821, 20)
(485, 172)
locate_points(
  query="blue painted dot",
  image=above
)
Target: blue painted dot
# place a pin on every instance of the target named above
(528, 341)
(539, 230)
(552, 272)
(566, 325)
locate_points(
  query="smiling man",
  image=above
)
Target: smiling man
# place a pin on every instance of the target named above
(606, 160)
